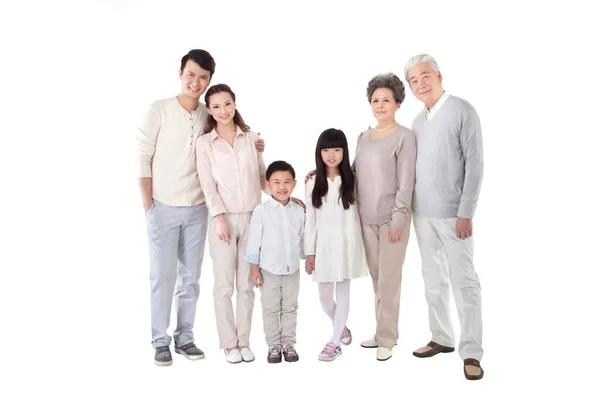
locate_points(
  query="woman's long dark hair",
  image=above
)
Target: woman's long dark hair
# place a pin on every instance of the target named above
(332, 139)
(211, 123)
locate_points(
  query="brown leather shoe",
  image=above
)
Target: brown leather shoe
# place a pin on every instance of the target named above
(472, 369)
(434, 349)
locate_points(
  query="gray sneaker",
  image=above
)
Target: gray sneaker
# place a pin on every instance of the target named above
(289, 353)
(162, 357)
(274, 354)
(190, 351)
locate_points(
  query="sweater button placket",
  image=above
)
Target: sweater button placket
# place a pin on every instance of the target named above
(192, 131)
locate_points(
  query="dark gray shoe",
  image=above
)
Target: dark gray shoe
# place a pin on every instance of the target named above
(162, 357)
(190, 351)
(289, 353)
(274, 354)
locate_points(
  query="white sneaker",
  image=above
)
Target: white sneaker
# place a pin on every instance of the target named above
(369, 343)
(247, 354)
(383, 353)
(234, 356)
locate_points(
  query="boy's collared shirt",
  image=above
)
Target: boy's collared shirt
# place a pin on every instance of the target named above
(275, 237)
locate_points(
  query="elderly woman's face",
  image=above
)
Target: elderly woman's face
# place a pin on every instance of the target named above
(383, 104)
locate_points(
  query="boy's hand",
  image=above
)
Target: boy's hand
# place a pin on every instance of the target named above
(256, 276)
(310, 264)
(309, 176)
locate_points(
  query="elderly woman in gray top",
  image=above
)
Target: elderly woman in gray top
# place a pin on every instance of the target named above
(385, 174)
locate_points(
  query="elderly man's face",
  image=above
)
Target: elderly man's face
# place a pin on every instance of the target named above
(425, 83)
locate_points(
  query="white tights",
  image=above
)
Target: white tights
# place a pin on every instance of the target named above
(336, 310)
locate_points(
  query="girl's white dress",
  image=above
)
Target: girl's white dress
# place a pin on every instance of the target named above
(334, 236)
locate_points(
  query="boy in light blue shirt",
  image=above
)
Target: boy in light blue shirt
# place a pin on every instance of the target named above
(274, 249)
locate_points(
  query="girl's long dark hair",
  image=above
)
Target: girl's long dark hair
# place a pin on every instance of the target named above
(332, 139)
(237, 117)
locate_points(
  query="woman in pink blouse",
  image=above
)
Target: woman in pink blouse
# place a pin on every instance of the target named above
(232, 175)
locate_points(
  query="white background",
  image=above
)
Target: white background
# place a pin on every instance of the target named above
(75, 77)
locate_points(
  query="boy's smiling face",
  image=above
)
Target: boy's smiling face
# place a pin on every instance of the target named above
(281, 184)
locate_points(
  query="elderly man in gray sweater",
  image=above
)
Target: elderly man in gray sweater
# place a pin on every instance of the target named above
(449, 172)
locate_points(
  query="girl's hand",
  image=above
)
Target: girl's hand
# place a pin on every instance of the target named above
(256, 276)
(394, 235)
(222, 228)
(310, 264)
(360, 137)
(309, 176)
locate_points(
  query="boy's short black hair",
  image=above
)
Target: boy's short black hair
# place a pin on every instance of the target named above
(280, 166)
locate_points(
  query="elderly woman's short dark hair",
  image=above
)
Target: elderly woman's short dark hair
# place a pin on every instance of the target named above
(388, 81)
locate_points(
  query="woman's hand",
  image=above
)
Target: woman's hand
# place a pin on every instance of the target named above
(394, 235)
(222, 228)
(259, 144)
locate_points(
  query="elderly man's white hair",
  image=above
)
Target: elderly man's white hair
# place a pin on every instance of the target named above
(418, 59)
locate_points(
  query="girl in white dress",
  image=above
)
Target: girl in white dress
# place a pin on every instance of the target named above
(333, 240)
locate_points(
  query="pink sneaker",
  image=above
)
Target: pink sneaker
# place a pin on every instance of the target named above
(330, 352)
(346, 336)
